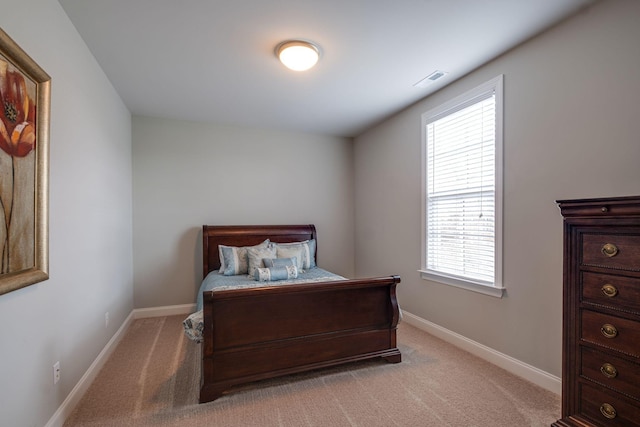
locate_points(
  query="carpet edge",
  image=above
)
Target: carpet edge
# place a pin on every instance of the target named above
(81, 387)
(512, 365)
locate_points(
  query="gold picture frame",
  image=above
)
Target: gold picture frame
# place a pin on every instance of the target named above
(25, 91)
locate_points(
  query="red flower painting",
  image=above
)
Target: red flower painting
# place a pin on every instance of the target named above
(17, 118)
(25, 94)
(17, 140)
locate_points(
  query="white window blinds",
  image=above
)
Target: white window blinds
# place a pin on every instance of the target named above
(461, 190)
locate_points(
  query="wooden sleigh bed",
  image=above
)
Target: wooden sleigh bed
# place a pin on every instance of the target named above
(258, 333)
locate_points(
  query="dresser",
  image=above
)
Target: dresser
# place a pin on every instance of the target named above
(601, 312)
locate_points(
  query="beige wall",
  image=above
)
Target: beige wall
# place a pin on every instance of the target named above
(90, 247)
(189, 174)
(571, 131)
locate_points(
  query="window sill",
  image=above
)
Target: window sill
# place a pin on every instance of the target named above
(462, 284)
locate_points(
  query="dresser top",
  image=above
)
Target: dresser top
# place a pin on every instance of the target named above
(601, 207)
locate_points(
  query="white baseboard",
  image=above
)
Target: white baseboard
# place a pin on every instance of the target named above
(170, 310)
(63, 412)
(508, 363)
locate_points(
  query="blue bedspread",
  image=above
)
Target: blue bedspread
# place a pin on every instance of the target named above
(218, 282)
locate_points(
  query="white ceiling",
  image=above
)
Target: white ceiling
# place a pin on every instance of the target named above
(213, 60)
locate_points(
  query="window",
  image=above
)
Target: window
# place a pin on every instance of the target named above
(462, 182)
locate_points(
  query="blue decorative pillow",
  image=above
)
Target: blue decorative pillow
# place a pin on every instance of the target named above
(279, 262)
(235, 260)
(304, 252)
(276, 273)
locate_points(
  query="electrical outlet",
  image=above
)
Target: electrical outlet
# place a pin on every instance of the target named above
(56, 372)
(106, 319)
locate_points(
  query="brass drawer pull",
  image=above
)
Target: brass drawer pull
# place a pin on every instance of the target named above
(608, 370)
(608, 411)
(609, 290)
(609, 331)
(610, 250)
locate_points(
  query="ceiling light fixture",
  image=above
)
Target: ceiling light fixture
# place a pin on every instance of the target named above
(298, 55)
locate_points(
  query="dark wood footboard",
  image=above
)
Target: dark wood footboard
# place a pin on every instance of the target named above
(254, 334)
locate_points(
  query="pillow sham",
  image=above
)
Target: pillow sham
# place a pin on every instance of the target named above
(305, 252)
(234, 259)
(279, 262)
(256, 255)
(276, 273)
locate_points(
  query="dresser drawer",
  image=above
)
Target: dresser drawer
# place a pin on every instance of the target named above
(615, 291)
(611, 371)
(607, 408)
(619, 251)
(610, 331)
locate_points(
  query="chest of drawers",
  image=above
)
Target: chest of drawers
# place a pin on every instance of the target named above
(601, 312)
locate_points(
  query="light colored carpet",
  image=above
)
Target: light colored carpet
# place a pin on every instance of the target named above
(152, 379)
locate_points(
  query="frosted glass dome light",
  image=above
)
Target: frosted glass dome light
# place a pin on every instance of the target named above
(298, 55)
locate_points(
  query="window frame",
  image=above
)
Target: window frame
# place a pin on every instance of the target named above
(496, 289)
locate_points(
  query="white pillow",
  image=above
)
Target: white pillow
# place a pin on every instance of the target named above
(303, 251)
(256, 255)
(284, 272)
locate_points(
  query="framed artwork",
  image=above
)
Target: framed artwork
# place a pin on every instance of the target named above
(24, 168)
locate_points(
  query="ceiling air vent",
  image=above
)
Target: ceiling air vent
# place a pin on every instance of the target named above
(431, 78)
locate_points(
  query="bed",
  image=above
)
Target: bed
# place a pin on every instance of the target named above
(276, 328)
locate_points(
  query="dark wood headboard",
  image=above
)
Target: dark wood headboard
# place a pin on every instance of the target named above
(248, 235)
